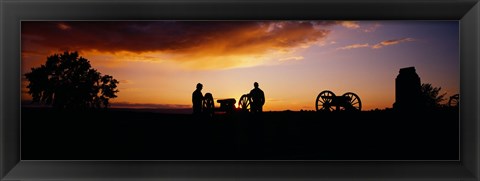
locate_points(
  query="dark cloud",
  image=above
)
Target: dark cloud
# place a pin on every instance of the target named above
(171, 36)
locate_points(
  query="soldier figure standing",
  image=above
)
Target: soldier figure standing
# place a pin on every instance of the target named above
(257, 98)
(197, 98)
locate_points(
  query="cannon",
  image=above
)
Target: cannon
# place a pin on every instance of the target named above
(244, 103)
(207, 104)
(226, 105)
(327, 101)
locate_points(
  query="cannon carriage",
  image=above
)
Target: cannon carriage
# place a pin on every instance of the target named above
(226, 105)
(327, 101)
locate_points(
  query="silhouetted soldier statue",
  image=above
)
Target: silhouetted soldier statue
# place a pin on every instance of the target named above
(197, 98)
(257, 98)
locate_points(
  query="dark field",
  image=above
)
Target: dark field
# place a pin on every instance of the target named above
(133, 135)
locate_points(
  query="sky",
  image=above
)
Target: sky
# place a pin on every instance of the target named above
(159, 63)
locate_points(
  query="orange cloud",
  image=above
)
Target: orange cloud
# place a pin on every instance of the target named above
(378, 45)
(354, 46)
(350, 24)
(292, 58)
(192, 44)
(392, 42)
(64, 26)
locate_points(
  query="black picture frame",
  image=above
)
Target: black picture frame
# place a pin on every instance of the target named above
(12, 12)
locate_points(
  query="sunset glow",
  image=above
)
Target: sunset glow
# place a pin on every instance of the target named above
(158, 63)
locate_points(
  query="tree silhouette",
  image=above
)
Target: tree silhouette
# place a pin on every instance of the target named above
(431, 96)
(67, 81)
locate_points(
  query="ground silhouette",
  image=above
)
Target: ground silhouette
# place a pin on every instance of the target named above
(131, 135)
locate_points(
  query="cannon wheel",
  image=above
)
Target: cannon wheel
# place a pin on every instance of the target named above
(244, 102)
(354, 102)
(207, 104)
(324, 101)
(454, 100)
